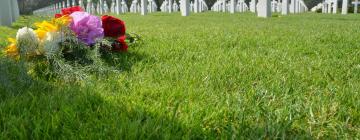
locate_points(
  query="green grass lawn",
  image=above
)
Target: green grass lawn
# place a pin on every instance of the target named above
(206, 76)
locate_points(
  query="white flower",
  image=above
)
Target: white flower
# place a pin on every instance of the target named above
(27, 40)
(26, 33)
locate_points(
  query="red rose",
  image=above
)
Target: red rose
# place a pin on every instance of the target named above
(113, 27)
(58, 15)
(120, 44)
(69, 11)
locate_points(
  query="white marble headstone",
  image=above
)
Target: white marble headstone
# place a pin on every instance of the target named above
(264, 8)
(356, 6)
(9, 12)
(143, 7)
(285, 7)
(185, 7)
(344, 9)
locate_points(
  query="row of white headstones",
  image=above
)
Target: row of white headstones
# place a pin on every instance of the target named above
(222, 6)
(331, 6)
(117, 6)
(120, 6)
(196, 6)
(263, 8)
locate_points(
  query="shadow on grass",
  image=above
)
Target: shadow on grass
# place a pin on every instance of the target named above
(81, 113)
(14, 79)
(33, 109)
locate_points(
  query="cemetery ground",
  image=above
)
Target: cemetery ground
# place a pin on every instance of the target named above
(206, 76)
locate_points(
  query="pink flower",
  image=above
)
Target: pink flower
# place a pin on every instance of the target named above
(88, 28)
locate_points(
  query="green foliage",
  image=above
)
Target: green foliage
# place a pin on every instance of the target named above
(13, 78)
(206, 76)
(74, 62)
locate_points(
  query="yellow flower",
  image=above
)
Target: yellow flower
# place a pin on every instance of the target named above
(47, 26)
(12, 50)
(54, 25)
(43, 28)
(41, 34)
(62, 21)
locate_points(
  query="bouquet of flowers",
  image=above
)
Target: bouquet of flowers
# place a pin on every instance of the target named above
(70, 44)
